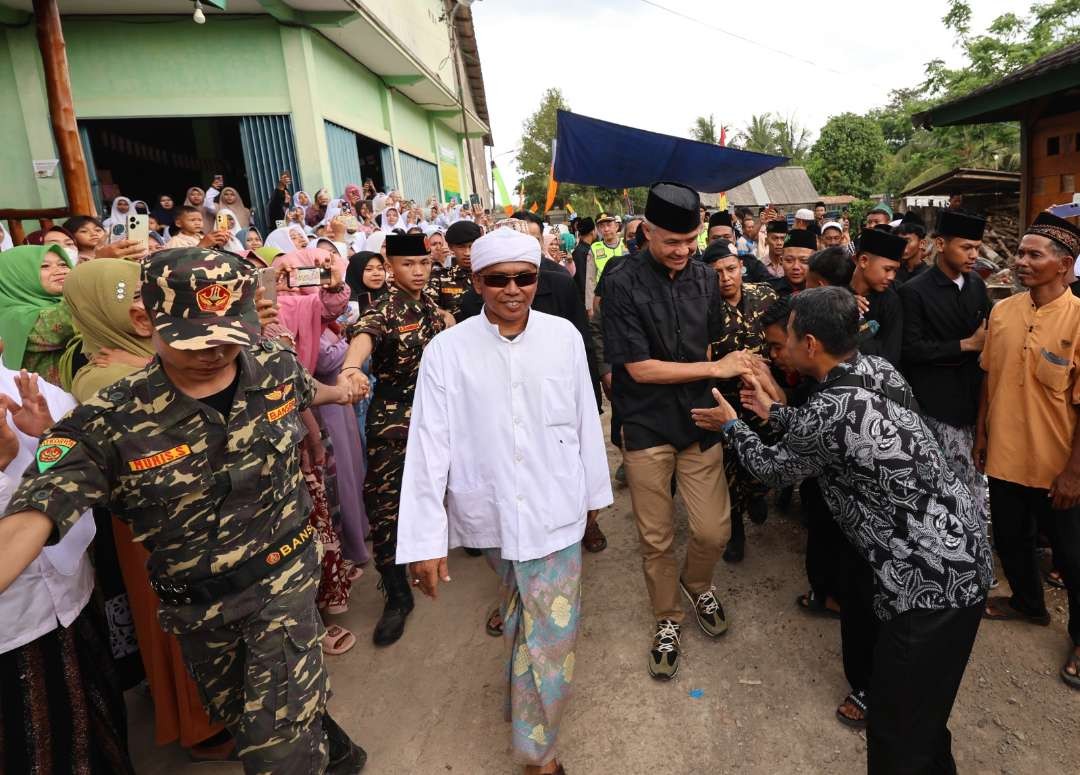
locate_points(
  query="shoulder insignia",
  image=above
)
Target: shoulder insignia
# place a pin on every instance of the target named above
(278, 412)
(159, 459)
(409, 328)
(280, 392)
(52, 451)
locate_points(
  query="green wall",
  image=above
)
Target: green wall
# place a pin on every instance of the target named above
(348, 93)
(412, 128)
(19, 189)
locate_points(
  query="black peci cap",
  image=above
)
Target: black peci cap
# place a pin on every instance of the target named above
(878, 242)
(674, 207)
(405, 245)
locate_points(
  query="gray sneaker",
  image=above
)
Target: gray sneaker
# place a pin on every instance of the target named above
(664, 657)
(707, 609)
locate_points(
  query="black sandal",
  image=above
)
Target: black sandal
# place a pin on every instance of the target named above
(490, 627)
(859, 700)
(812, 604)
(1074, 660)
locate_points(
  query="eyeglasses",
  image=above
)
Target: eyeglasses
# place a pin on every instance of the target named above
(499, 280)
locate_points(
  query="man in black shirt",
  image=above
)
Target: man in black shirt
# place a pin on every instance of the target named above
(897, 500)
(882, 329)
(945, 312)
(660, 312)
(911, 264)
(586, 233)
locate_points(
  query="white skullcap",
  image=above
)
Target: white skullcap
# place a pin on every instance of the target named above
(804, 214)
(504, 245)
(832, 225)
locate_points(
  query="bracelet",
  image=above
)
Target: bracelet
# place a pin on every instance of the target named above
(351, 368)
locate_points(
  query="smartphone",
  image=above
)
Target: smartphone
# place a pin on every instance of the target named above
(309, 277)
(280, 224)
(118, 232)
(138, 229)
(221, 222)
(268, 283)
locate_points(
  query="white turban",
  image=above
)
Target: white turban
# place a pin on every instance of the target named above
(504, 245)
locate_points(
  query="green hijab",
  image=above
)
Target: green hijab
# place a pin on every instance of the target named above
(22, 298)
(268, 253)
(100, 293)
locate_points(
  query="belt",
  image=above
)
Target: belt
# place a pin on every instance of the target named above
(279, 555)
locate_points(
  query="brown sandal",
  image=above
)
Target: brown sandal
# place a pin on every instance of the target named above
(594, 540)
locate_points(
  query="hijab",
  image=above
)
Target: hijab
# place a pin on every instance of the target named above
(189, 203)
(240, 211)
(374, 243)
(316, 212)
(5, 241)
(384, 224)
(166, 218)
(352, 188)
(22, 297)
(100, 293)
(279, 238)
(300, 309)
(115, 216)
(268, 253)
(354, 278)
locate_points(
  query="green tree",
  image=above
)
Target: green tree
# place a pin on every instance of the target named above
(848, 156)
(704, 130)
(757, 135)
(768, 133)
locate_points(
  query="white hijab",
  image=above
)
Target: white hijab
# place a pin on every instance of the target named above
(116, 216)
(5, 241)
(279, 238)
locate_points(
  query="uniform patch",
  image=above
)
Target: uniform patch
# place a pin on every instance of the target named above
(52, 451)
(278, 412)
(213, 298)
(408, 328)
(280, 392)
(159, 459)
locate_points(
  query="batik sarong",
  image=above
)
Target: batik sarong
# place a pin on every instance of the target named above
(540, 608)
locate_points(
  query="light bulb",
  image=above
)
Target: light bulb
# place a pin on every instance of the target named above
(198, 17)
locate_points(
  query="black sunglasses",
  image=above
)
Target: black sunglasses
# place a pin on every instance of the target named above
(499, 280)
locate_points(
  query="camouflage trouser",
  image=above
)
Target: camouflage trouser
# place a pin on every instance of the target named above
(382, 492)
(263, 676)
(743, 488)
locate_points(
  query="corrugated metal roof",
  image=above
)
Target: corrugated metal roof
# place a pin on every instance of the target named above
(781, 186)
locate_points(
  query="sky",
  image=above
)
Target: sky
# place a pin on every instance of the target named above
(630, 62)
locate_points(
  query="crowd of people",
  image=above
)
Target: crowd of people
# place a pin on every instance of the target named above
(207, 438)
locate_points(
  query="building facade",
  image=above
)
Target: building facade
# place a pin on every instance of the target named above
(332, 91)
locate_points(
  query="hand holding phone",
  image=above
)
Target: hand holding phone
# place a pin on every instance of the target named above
(221, 222)
(137, 230)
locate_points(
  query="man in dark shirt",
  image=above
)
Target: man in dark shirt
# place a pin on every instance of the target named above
(586, 233)
(660, 313)
(897, 500)
(945, 312)
(882, 329)
(912, 263)
(798, 247)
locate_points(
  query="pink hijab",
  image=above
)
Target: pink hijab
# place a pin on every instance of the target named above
(305, 311)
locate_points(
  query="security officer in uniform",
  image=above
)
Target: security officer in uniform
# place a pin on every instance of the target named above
(602, 250)
(393, 333)
(197, 453)
(448, 283)
(661, 310)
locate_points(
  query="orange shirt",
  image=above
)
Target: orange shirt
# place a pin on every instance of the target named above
(1031, 357)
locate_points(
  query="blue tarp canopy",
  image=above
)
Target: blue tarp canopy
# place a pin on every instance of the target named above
(599, 153)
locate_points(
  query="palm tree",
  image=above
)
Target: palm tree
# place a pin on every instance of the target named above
(704, 129)
(791, 140)
(758, 135)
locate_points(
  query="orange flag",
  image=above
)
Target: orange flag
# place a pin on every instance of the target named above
(553, 185)
(534, 207)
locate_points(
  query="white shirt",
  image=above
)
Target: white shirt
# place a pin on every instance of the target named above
(505, 447)
(56, 586)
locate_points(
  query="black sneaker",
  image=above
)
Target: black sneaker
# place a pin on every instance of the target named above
(346, 757)
(664, 657)
(707, 609)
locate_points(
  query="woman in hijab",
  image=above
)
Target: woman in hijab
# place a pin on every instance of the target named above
(304, 313)
(120, 208)
(196, 198)
(287, 239)
(353, 196)
(316, 213)
(302, 200)
(366, 278)
(164, 213)
(390, 219)
(101, 295)
(251, 238)
(230, 198)
(88, 233)
(35, 323)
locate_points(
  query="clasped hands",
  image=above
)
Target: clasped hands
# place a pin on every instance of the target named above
(758, 393)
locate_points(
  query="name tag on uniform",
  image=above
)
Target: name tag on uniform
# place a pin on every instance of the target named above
(160, 459)
(278, 412)
(408, 328)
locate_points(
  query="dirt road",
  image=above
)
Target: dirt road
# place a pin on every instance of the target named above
(760, 700)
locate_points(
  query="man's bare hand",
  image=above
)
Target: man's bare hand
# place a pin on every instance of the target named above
(32, 415)
(755, 397)
(427, 574)
(714, 419)
(733, 365)
(216, 239)
(1065, 490)
(124, 248)
(9, 442)
(978, 452)
(356, 382)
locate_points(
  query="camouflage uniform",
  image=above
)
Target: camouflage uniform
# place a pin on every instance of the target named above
(742, 331)
(400, 327)
(446, 286)
(204, 493)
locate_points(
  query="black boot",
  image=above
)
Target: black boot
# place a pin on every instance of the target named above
(346, 757)
(399, 603)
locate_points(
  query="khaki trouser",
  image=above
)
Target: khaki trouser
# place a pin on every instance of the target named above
(703, 486)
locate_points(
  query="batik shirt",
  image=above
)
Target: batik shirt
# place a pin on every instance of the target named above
(887, 484)
(400, 328)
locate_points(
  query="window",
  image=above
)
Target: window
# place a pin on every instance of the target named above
(1053, 146)
(1068, 183)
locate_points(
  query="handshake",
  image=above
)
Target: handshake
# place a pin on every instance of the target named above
(758, 393)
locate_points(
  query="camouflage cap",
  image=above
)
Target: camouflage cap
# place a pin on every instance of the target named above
(199, 298)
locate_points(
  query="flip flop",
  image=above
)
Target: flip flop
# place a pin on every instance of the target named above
(1053, 578)
(493, 630)
(1005, 612)
(812, 604)
(337, 640)
(859, 700)
(1074, 660)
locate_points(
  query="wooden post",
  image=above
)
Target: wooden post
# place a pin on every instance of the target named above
(15, 229)
(50, 37)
